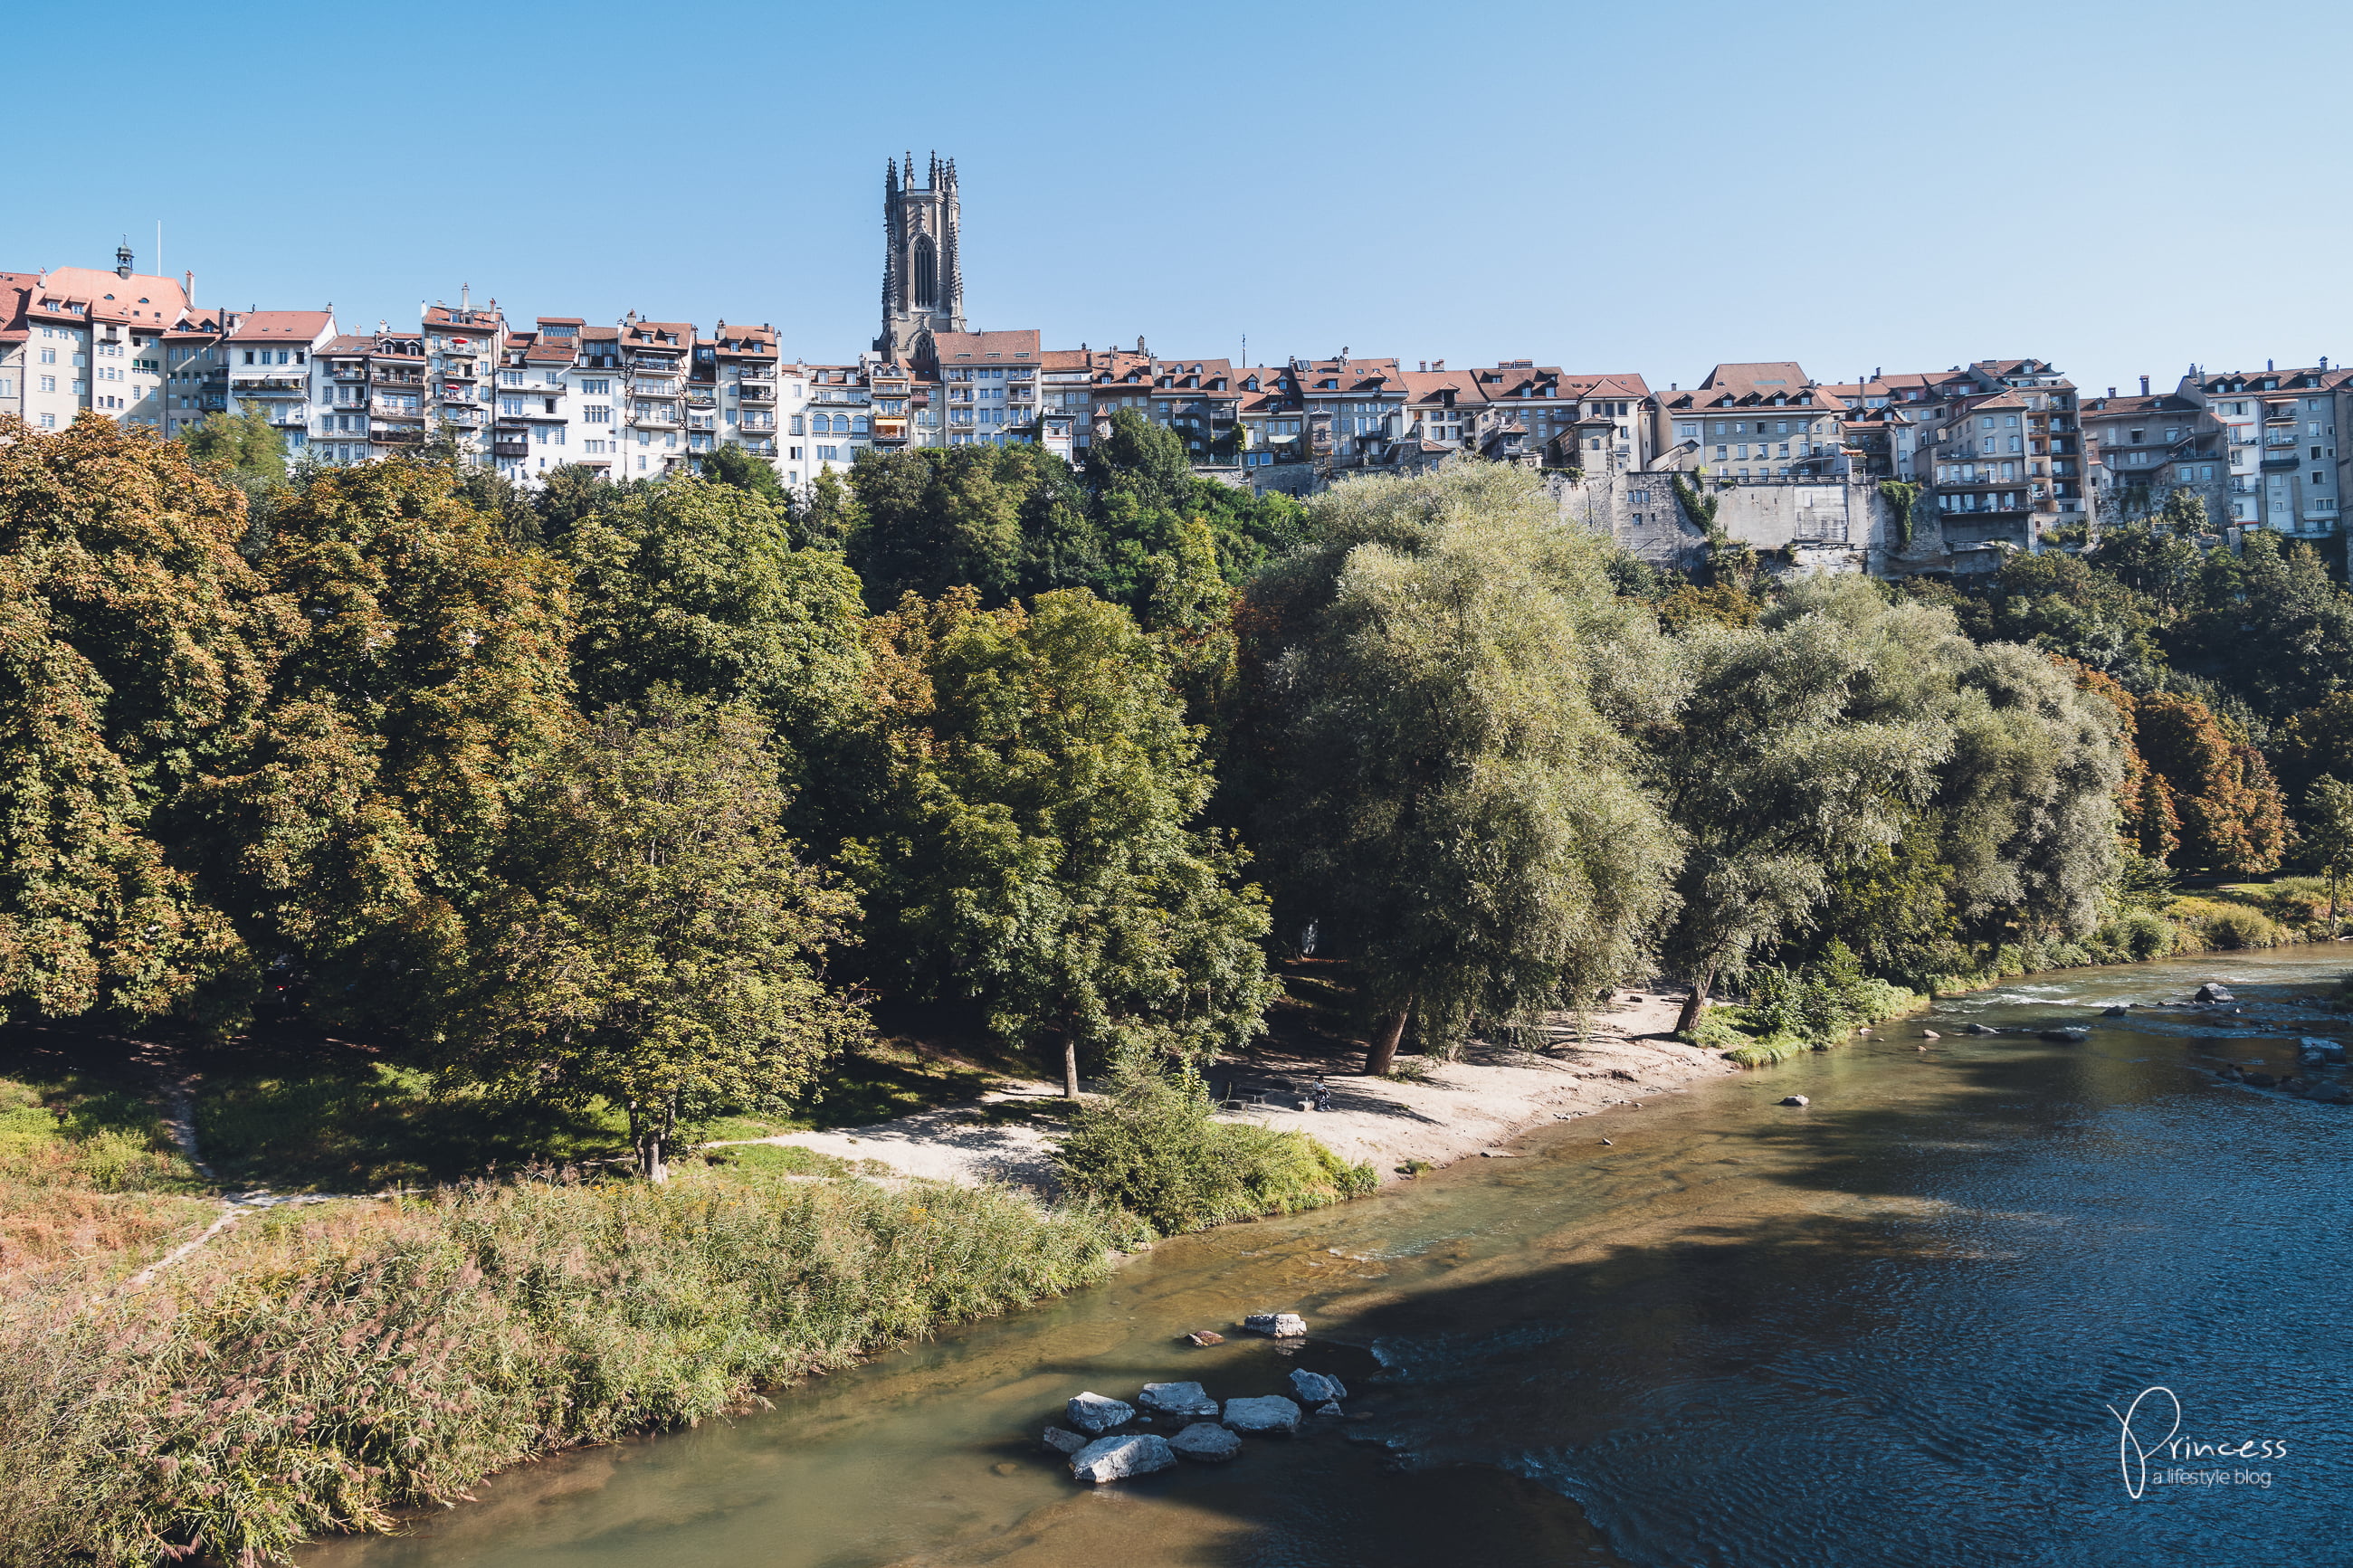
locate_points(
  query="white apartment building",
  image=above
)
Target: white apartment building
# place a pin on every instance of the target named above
(462, 348)
(654, 361)
(77, 338)
(836, 416)
(2279, 430)
(273, 366)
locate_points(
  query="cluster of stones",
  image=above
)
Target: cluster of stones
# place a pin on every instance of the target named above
(2312, 1053)
(1103, 1450)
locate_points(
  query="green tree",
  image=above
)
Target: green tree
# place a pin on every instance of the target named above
(2329, 835)
(245, 450)
(1142, 462)
(733, 464)
(2269, 625)
(1453, 800)
(657, 940)
(421, 681)
(825, 513)
(569, 492)
(1031, 845)
(136, 649)
(694, 584)
(2315, 742)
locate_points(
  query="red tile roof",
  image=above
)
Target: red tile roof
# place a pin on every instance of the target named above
(961, 348)
(281, 326)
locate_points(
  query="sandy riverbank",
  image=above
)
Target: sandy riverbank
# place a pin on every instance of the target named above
(1461, 1109)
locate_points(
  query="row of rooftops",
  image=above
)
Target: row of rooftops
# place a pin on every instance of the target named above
(87, 297)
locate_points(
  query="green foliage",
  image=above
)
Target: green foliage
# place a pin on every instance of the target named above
(323, 1374)
(135, 646)
(1153, 1149)
(1031, 847)
(694, 585)
(656, 942)
(733, 466)
(1901, 496)
(1452, 799)
(2329, 835)
(419, 682)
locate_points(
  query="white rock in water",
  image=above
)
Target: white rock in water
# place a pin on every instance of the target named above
(1110, 1458)
(1205, 1441)
(1272, 1414)
(1276, 1325)
(1095, 1415)
(1315, 1387)
(1061, 1442)
(2312, 1049)
(1328, 1407)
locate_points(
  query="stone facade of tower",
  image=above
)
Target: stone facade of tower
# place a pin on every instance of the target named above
(922, 280)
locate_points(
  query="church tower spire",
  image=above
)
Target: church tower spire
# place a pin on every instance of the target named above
(922, 274)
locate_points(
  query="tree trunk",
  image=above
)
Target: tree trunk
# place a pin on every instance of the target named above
(1381, 1055)
(1696, 1004)
(1069, 1065)
(2332, 901)
(651, 1164)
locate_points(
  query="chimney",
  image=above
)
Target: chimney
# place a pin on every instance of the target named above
(1437, 364)
(2112, 392)
(2267, 364)
(188, 287)
(2143, 386)
(1425, 367)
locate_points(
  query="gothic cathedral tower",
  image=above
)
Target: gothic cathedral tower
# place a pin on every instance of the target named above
(923, 283)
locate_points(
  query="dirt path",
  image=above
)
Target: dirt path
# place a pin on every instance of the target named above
(1461, 1109)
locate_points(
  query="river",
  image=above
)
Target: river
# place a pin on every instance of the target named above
(1884, 1329)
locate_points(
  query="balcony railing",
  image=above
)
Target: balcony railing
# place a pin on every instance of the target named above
(749, 392)
(396, 410)
(511, 448)
(276, 386)
(396, 435)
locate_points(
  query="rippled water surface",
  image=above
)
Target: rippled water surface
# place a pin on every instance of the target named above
(1884, 1329)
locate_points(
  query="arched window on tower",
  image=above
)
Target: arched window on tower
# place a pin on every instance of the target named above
(927, 274)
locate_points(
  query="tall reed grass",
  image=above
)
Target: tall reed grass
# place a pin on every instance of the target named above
(322, 1371)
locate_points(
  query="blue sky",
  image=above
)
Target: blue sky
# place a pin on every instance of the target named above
(2120, 188)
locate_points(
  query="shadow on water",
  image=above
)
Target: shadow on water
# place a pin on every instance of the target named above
(1880, 1329)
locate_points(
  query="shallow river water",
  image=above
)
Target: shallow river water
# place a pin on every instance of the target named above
(1884, 1329)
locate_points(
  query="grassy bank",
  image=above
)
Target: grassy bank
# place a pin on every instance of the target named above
(1789, 1011)
(317, 1370)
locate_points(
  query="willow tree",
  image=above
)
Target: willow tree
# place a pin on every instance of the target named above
(1453, 798)
(1780, 775)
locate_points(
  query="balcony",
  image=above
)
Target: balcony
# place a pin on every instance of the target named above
(464, 418)
(654, 416)
(511, 448)
(764, 424)
(404, 409)
(274, 387)
(699, 397)
(350, 372)
(460, 396)
(400, 378)
(397, 435)
(458, 370)
(2280, 460)
(751, 393)
(643, 365)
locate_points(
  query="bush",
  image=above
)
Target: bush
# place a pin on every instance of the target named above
(2233, 928)
(328, 1367)
(1153, 1149)
(2140, 935)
